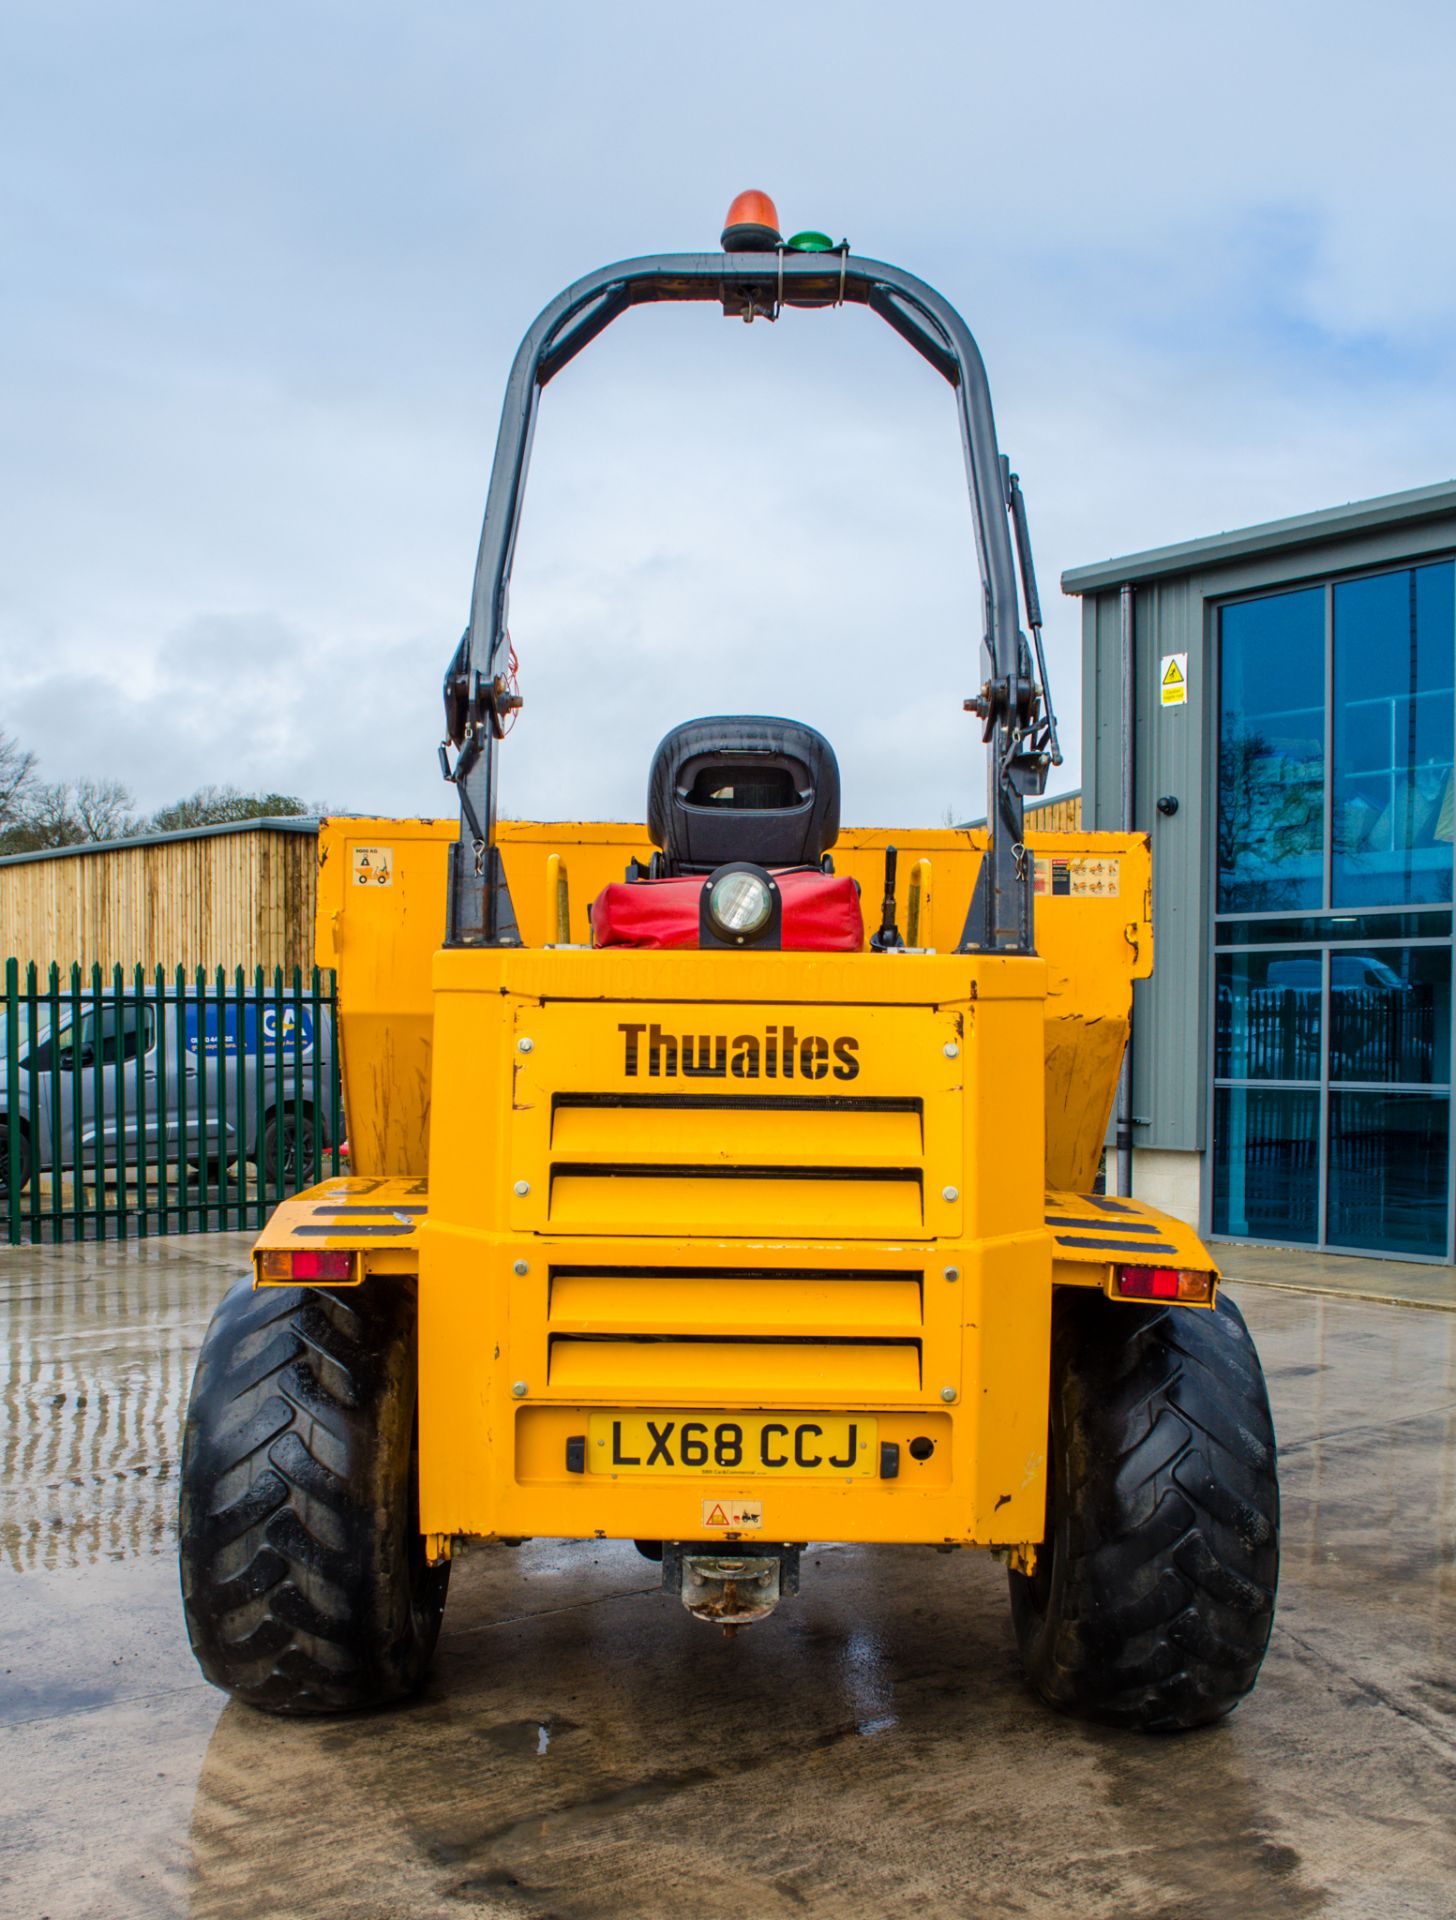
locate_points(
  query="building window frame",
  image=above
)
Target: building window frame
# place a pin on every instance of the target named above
(1214, 605)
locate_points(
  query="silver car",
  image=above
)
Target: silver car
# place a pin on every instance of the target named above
(152, 1076)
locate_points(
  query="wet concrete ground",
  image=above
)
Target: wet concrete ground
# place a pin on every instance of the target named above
(586, 1749)
(1408, 1283)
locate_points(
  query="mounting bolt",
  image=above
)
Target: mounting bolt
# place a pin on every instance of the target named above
(952, 1273)
(946, 1193)
(525, 1043)
(521, 1267)
(523, 1187)
(946, 1393)
(519, 1390)
(951, 1049)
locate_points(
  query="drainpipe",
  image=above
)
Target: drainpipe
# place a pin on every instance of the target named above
(1128, 730)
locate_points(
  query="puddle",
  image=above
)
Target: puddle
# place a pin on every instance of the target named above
(96, 1357)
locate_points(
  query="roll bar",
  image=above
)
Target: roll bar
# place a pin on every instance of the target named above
(1013, 703)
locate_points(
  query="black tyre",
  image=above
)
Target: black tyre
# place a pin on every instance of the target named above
(286, 1155)
(1153, 1595)
(13, 1179)
(304, 1578)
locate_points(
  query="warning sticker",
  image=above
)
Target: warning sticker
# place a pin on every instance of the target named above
(1081, 879)
(739, 1516)
(374, 866)
(1173, 681)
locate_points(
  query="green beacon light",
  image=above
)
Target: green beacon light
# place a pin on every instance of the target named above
(811, 242)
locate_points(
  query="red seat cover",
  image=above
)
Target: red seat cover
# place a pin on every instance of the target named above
(820, 912)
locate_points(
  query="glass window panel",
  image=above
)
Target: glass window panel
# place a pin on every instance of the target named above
(1388, 1171)
(1390, 1015)
(1395, 653)
(123, 1035)
(1271, 753)
(1267, 1016)
(1266, 1163)
(1335, 926)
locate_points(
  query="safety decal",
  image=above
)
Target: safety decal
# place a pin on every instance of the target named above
(739, 1516)
(374, 866)
(1082, 879)
(1173, 681)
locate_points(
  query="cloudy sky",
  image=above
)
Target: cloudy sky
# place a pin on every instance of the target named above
(263, 268)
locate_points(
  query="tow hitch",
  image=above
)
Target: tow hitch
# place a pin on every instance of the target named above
(727, 1589)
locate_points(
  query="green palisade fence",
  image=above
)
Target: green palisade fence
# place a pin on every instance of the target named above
(156, 1104)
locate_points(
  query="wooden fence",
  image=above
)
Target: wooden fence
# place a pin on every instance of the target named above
(236, 896)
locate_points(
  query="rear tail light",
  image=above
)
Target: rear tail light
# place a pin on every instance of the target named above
(289, 1268)
(1162, 1283)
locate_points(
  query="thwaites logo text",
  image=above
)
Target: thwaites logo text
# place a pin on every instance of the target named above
(778, 1053)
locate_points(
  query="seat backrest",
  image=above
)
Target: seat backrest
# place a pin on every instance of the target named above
(743, 787)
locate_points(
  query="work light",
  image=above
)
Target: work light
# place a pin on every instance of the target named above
(739, 904)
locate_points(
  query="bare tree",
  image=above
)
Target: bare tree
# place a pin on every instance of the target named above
(37, 816)
(104, 809)
(46, 820)
(17, 776)
(69, 814)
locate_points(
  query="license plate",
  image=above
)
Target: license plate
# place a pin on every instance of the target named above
(787, 1445)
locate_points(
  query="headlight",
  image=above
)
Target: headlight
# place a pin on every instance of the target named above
(739, 905)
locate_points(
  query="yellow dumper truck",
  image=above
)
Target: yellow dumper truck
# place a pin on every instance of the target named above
(729, 1181)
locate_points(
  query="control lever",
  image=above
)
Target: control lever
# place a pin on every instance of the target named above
(888, 935)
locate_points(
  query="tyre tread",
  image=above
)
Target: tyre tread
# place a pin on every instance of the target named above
(298, 1597)
(1158, 1612)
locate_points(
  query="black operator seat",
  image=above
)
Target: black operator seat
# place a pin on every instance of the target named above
(742, 787)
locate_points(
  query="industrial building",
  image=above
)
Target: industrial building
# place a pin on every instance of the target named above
(1285, 693)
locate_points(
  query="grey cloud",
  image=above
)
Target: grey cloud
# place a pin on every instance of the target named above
(216, 650)
(266, 269)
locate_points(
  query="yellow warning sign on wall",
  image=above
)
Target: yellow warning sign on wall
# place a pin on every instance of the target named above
(1173, 683)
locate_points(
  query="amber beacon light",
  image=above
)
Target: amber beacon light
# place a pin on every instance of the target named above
(752, 225)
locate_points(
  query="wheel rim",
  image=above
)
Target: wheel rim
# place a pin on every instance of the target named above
(280, 1155)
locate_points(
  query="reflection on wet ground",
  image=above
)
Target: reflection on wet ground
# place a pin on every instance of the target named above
(96, 1352)
(586, 1749)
